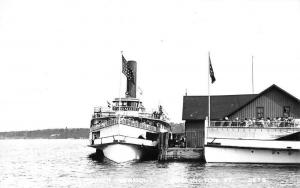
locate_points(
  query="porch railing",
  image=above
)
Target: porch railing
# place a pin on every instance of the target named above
(258, 124)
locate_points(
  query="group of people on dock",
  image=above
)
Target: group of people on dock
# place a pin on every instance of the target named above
(257, 122)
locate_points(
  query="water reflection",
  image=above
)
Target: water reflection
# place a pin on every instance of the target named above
(95, 157)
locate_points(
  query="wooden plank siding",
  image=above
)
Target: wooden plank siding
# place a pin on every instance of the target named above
(194, 132)
(273, 103)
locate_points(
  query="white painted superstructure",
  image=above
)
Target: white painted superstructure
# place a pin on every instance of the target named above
(126, 132)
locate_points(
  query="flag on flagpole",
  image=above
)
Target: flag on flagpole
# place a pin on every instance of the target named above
(211, 72)
(124, 65)
(126, 70)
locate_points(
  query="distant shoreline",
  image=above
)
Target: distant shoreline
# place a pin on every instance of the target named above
(75, 133)
(23, 138)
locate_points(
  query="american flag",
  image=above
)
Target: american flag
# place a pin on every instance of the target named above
(126, 70)
(211, 72)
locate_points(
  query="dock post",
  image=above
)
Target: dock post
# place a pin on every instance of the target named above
(163, 146)
(160, 148)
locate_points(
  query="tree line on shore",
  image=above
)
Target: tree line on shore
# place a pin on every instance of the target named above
(77, 133)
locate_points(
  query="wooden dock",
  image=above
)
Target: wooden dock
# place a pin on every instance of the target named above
(176, 153)
(182, 154)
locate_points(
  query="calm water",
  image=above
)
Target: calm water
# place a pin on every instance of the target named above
(68, 163)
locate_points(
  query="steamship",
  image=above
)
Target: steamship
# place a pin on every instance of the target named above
(124, 131)
(233, 142)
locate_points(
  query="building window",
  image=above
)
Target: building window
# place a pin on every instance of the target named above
(286, 111)
(260, 112)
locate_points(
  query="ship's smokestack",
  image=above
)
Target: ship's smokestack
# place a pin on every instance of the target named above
(131, 85)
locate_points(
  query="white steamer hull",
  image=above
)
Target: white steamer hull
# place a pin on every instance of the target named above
(223, 154)
(127, 146)
(122, 152)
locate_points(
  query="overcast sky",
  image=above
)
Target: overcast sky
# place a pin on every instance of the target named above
(60, 58)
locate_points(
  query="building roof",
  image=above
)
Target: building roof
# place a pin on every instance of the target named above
(272, 87)
(196, 107)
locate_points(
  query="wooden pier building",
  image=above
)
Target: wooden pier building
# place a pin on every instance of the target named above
(271, 103)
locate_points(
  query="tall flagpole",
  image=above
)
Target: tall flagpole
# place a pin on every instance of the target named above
(208, 75)
(120, 80)
(119, 119)
(252, 78)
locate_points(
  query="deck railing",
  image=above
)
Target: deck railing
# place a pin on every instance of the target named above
(103, 114)
(123, 121)
(257, 124)
(113, 114)
(149, 116)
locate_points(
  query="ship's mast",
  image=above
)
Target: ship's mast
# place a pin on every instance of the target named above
(119, 105)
